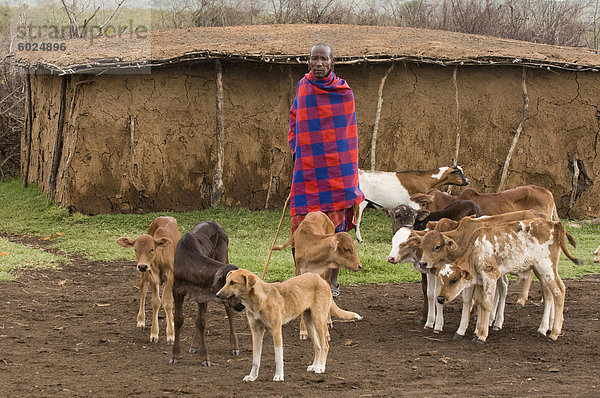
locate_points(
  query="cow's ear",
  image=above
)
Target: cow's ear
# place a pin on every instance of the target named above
(422, 199)
(467, 275)
(451, 244)
(334, 243)
(125, 242)
(421, 215)
(163, 242)
(415, 241)
(431, 225)
(389, 212)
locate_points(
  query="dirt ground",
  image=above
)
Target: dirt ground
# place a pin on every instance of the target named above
(71, 332)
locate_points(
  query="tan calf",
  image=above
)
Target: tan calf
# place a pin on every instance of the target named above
(155, 253)
(318, 249)
(271, 305)
(514, 248)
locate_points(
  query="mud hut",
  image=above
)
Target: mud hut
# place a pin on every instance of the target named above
(177, 120)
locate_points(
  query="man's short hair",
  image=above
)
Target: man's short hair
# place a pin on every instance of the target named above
(322, 44)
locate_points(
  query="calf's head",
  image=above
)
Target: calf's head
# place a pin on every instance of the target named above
(402, 216)
(453, 279)
(343, 252)
(238, 284)
(406, 247)
(437, 249)
(145, 247)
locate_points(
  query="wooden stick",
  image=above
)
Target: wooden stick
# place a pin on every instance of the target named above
(575, 184)
(458, 127)
(58, 141)
(276, 235)
(378, 114)
(217, 186)
(28, 128)
(518, 132)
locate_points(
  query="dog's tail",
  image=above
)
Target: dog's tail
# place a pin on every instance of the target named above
(281, 247)
(342, 314)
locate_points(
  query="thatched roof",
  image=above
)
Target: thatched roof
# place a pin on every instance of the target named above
(289, 44)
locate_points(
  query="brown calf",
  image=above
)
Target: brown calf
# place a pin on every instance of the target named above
(155, 252)
(319, 249)
(200, 270)
(527, 197)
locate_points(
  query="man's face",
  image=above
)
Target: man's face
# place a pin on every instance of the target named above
(320, 63)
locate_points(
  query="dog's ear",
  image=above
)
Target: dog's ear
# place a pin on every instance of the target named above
(250, 280)
(125, 242)
(334, 242)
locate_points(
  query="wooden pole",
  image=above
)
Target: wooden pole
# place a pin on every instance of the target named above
(378, 114)
(217, 186)
(458, 126)
(58, 141)
(518, 132)
(28, 128)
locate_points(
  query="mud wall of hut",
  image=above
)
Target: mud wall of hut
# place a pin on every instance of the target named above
(137, 143)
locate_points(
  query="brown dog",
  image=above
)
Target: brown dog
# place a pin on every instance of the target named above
(271, 305)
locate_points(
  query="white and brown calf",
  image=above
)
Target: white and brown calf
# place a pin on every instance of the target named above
(155, 253)
(406, 249)
(514, 248)
(390, 189)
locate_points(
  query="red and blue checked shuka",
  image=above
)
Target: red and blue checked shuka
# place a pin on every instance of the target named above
(323, 138)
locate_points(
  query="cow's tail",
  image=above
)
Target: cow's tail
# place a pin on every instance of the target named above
(342, 314)
(281, 247)
(554, 216)
(562, 233)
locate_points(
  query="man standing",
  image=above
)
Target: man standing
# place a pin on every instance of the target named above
(324, 144)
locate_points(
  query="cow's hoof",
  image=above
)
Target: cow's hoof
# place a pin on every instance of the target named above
(193, 351)
(170, 342)
(518, 306)
(206, 364)
(458, 336)
(480, 342)
(539, 334)
(496, 328)
(140, 328)
(435, 331)
(235, 353)
(174, 361)
(303, 337)
(154, 339)
(427, 327)
(553, 337)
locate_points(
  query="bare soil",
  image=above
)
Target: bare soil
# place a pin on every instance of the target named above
(71, 332)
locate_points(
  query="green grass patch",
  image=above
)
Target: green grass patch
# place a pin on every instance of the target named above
(26, 211)
(14, 256)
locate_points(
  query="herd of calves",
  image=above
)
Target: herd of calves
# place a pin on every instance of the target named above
(463, 244)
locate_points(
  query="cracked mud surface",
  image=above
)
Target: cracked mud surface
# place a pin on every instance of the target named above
(71, 332)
